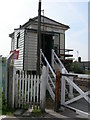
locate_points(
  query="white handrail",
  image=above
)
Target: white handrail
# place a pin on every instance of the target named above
(59, 61)
(48, 64)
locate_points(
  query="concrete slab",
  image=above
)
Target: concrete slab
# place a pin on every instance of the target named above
(55, 114)
(27, 113)
(18, 112)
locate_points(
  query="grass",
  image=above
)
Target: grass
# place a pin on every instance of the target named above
(6, 110)
(37, 113)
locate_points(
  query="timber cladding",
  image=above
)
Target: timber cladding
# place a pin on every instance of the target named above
(30, 51)
(19, 63)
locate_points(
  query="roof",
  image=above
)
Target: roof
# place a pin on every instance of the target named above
(44, 20)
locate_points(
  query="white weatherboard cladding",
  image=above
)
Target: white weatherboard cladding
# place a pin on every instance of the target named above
(56, 42)
(62, 43)
(30, 58)
(49, 28)
(19, 62)
(12, 44)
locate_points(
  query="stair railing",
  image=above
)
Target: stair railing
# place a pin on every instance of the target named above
(49, 69)
(55, 59)
(69, 81)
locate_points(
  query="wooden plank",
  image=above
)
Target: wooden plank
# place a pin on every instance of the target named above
(28, 87)
(57, 91)
(34, 87)
(13, 93)
(16, 90)
(76, 98)
(31, 87)
(22, 88)
(37, 89)
(77, 89)
(25, 87)
(63, 86)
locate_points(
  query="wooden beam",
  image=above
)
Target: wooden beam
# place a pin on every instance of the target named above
(39, 38)
(57, 91)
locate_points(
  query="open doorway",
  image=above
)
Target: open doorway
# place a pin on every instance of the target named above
(47, 45)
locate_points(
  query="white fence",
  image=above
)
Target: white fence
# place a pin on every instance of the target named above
(28, 90)
(82, 76)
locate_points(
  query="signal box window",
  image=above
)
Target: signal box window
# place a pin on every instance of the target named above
(18, 39)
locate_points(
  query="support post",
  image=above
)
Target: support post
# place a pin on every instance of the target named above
(71, 89)
(13, 89)
(0, 85)
(52, 58)
(57, 92)
(63, 85)
(43, 89)
(39, 38)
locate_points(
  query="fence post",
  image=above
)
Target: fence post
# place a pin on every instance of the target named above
(43, 89)
(63, 85)
(57, 92)
(71, 89)
(52, 58)
(13, 89)
(0, 85)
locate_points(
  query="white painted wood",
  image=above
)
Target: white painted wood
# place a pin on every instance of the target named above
(20, 89)
(16, 90)
(31, 87)
(37, 88)
(77, 89)
(34, 87)
(82, 76)
(51, 81)
(28, 87)
(54, 75)
(47, 73)
(52, 58)
(13, 87)
(43, 88)
(30, 57)
(71, 89)
(55, 56)
(25, 86)
(76, 98)
(48, 64)
(51, 91)
(63, 85)
(19, 63)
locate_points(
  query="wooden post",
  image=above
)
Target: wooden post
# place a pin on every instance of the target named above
(52, 58)
(13, 87)
(0, 85)
(43, 89)
(71, 88)
(39, 38)
(63, 85)
(57, 92)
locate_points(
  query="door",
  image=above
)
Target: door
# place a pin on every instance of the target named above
(47, 45)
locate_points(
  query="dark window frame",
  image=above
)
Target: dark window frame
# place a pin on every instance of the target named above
(18, 38)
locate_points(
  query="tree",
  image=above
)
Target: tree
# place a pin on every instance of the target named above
(75, 67)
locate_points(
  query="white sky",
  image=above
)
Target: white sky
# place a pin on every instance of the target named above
(75, 14)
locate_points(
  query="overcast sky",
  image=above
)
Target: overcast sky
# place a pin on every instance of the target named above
(75, 14)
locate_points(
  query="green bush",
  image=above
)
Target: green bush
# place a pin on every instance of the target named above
(6, 110)
(74, 67)
(36, 113)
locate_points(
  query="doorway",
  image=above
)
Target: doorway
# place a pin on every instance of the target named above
(47, 46)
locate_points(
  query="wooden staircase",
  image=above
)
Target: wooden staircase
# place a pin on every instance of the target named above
(66, 81)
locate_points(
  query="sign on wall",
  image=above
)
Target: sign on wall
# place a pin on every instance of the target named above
(16, 54)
